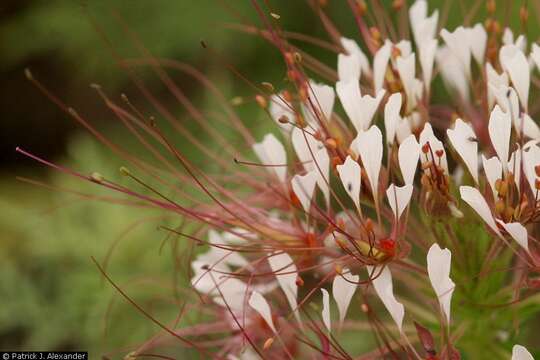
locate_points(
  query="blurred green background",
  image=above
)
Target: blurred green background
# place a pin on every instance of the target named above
(52, 296)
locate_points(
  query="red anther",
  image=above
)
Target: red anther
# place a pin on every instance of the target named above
(388, 245)
(299, 281)
(425, 148)
(439, 153)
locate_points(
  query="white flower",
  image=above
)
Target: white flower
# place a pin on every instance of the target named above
(348, 67)
(452, 72)
(408, 155)
(360, 109)
(279, 108)
(304, 186)
(326, 310)
(406, 67)
(531, 159)
(474, 198)
(398, 198)
(521, 353)
(259, 304)
(322, 100)
(493, 171)
(438, 265)
(350, 175)
(271, 152)
(427, 136)
(392, 117)
(463, 140)
(515, 63)
(369, 145)
(343, 289)
(494, 80)
(286, 273)
(382, 283)
(459, 42)
(353, 49)
(500, 128)
(380, 63)
(423, 27)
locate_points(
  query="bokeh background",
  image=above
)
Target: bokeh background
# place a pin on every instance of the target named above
(51, 294)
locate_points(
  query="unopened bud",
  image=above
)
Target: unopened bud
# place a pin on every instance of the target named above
(268, 343)
(523, 14)
(491, 6)
(96, 177)
(268, 86)
(331, 143)
(237, 100)
(261, 101)
(398, 4)
(361, 6)
(375, 33)
(124, 171)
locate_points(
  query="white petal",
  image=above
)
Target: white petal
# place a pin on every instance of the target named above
(494, 80)
(521, 353)
(475, 200)
(352, 48)
(398, 198)
(385, 290)
(423, 27)
(282, 264)
(350, 175)
(304, 186)
(426, 136)
(463, 139)
(279, 108)
(531, 159)
(406, 67)
(348, 67)
(528, 126)
(392, 117)
(360, 109)
(408, 155)
(500, 128)
(518, 232)
(514, 165)
(322, 170)
(271, 152)
(493, 171)
(458, 42)
(305, 146)
(478, 40)
(453, 73)
(427, 53)
(259, 304)
(515, 63)
(343, 291)
(326, 309)
(438, 265)
(322, 97)
(369, 145)
(535, 54)
(380, 63)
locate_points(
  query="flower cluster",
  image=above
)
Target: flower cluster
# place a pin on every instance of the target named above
(374, 220)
